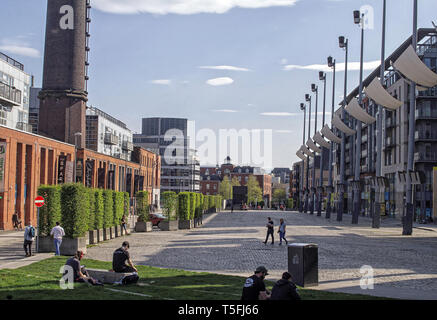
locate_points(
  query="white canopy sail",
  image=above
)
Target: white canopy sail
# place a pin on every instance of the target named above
(377, 93)
(410, 65)
(300, 155)
(319, 139)
(340, 125)
(313, 146)
(326, 131)
(305, 150)
(354, 109)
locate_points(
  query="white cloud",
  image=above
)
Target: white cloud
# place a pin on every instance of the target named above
(220, 81)
(19, 47)
(161, 81)
(351, 66)
(231, 68)
(184, 6)
(225, 110)
(283, 61)
(279, 114)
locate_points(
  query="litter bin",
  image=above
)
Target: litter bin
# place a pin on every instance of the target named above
(303, 264)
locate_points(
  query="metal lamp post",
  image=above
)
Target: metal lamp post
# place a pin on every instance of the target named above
(322, 77)
(307, 99)
(331, 64)
(304, 109)
(77, 134)
(358, 19)
(315, 89)
(343, 44)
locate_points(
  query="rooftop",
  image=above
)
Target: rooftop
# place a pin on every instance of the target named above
(11, 61)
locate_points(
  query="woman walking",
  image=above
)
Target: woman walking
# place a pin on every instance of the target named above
(281, 232)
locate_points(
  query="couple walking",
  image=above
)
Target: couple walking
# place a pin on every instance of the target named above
(281, 231)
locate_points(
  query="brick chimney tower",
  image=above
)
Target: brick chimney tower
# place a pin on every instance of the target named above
(63, 95)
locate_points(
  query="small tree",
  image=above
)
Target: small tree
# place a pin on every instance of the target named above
(75, 207)
(99, 209)
(184, 209)
(169, 204)
(254, 192)
(118, 198)
(92, 210)
(108, 209)
(192, 205)
(142, 206)
(279, 195)
(50, 213)
(225, 188)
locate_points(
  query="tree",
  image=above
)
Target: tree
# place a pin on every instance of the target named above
(254, 192)
(225, 188)
(279, 195)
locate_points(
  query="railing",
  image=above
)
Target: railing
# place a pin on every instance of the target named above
(425, 135)
(111, 139)
(426, 156)
(127, 145)
(10, 93)
(24, 126)
(426, 114)
(11, 61)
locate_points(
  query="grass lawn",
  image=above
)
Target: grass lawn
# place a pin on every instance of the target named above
(40, 280)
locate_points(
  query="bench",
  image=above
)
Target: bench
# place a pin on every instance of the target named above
(106, 276)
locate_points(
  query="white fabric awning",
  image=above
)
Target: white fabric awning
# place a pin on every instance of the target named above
(326, 131)
(313, 146)
(300, 155)
(410, 65)
(354, 109)
(305, 150)
(319, 139)
(340, 125)
(377, 93)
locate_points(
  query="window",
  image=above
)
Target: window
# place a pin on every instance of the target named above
(207, 186)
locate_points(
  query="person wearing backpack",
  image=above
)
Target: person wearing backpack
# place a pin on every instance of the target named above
(29, 236)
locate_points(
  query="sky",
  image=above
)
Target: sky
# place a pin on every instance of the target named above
(226, 64)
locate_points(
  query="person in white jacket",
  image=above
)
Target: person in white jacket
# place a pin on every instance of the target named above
(57, 233)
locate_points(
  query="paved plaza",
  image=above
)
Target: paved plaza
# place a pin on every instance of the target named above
(232, 243)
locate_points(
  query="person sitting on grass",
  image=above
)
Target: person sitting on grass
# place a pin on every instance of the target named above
(254, 287)
(121, 261)
(79, 272)
(285, 289)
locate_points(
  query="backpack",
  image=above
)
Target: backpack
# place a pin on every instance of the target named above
(31, 232)
(133, 278)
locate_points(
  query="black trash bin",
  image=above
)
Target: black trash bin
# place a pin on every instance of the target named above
(303, 264)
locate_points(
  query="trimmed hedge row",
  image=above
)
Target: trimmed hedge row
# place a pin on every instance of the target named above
(193, 205)
(80, 209)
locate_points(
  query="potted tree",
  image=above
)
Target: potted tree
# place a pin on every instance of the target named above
(143, 223)
(169, 207)
(184, 210)
(49, 214)
(108, 213)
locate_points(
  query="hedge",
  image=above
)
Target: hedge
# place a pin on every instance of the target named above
(169, 204)
(50, 213)
(92, 209)
(184, 205)
(126, 203)
(193, 204)
(199, 205)
(142, 206)
(108, 209)
(118, 198)
(205, 203)
(99, 209)
(75, 209)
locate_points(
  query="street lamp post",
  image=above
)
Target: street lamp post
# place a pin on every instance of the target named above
(315, 89)
(304, 109)
(407, 220)
(376, 214)
(307, 99)
(357, 189)
(331, 64)
(322, 77)
(343, 44)
(77, 134)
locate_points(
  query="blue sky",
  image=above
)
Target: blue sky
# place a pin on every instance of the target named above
(135, 43)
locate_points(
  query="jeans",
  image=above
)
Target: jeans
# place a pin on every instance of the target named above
(270, 232)
(28, 245)
(282, 236)
(57, 246)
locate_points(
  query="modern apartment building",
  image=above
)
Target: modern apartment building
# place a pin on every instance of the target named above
(14, 94)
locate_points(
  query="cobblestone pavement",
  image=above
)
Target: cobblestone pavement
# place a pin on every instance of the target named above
(231, 243)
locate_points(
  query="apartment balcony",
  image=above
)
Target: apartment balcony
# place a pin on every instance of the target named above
(24, 127)
(127, 145)
(425, 135)
(9, 95)
(426, 114)
(425, 157)
(111, 139)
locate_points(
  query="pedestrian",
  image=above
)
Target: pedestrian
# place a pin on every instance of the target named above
(254, 287)
(123, 224)
(285, 289)
(121, 261)
(281, 232)
(29, 236)
(57, 233)
(269, 227)
(16, 222)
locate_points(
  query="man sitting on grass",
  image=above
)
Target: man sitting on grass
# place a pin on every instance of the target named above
(121, 261)
(254, 287)
(285, 289)
(79, 272)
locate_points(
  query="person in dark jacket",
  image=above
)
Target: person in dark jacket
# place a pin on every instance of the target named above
(285, 289)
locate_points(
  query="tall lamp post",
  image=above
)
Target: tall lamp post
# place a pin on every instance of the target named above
(322, 77)
(331, 64)
(315, 89)
(307, 99)
(343, 44)
(304, 109)
(358, 19)
(407, 220)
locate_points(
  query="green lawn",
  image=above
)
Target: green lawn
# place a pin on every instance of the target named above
(41, 281)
